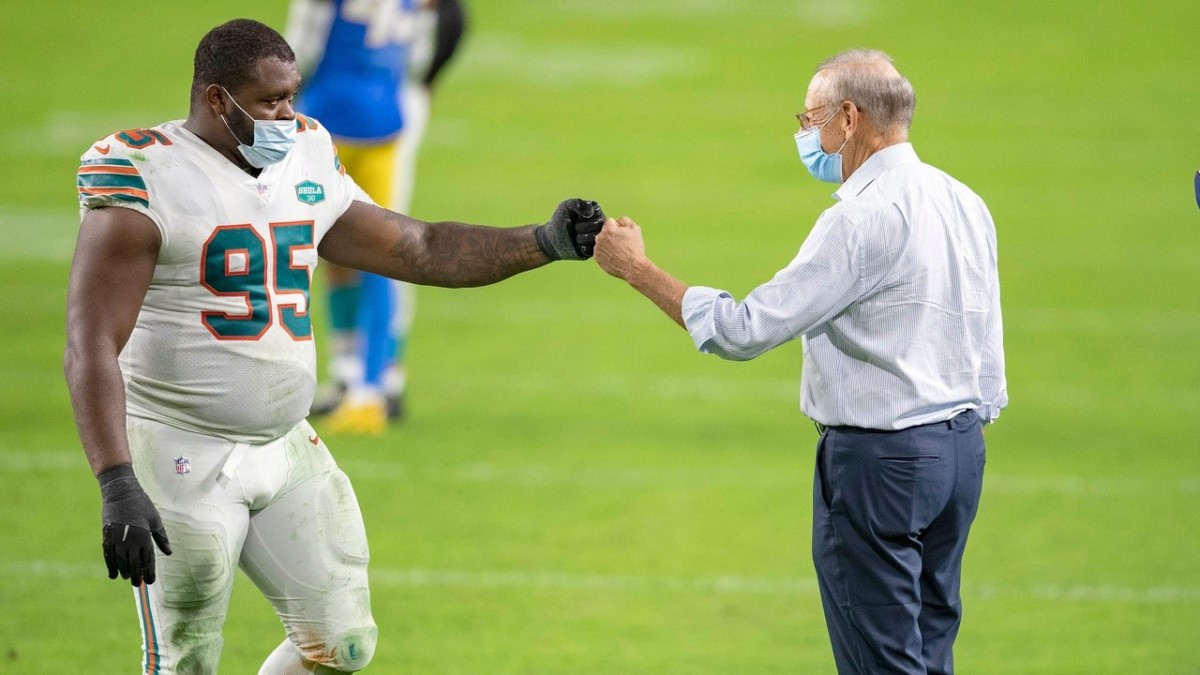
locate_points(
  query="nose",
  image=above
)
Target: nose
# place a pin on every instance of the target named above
(287, 110)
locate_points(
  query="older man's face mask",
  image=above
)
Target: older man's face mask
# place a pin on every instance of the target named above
(824, 166)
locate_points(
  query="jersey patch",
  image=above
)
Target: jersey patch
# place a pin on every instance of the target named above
(310, 192)
(111, 177)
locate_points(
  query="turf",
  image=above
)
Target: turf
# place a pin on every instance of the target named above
(577, 490)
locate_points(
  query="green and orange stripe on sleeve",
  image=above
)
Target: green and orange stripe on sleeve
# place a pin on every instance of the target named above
(114, 178)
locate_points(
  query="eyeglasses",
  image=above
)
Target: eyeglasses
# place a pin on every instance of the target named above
(806, 120)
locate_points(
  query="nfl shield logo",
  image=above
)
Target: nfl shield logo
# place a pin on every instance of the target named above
(183, 465)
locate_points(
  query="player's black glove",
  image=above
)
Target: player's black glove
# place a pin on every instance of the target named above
(131, 527)
(570, 234)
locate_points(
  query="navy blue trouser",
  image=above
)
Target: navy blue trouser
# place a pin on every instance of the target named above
(891, 512)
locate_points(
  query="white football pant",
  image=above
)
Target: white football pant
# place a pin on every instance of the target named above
(283, 512)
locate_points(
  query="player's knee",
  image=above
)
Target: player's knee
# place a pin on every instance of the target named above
(347, 653)
(356, 648)
(193, 645)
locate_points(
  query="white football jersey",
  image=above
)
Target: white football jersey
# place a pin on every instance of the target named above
(224, 343)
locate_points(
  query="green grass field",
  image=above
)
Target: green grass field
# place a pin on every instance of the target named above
(577, 490)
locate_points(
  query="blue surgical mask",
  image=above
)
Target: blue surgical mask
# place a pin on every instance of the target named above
(822, 165)
(272, 139)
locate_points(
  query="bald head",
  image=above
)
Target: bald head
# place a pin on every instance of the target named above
(868, 79)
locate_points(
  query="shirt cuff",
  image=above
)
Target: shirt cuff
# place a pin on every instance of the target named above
(697, 310)
(989, 411)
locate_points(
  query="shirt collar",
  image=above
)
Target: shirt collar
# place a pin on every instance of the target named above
(876, 165)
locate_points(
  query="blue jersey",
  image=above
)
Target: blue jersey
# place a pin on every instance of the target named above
(355, 90)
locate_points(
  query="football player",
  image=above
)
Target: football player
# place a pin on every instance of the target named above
(191, 362)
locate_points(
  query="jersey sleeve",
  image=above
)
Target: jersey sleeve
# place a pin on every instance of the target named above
(322, 162)
(356, 193)
(345, 190)
(108, 176)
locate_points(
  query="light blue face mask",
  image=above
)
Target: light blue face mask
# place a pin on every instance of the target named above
(822, 165)
(272, 138)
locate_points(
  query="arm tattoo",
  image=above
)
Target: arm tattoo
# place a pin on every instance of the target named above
(457, 255)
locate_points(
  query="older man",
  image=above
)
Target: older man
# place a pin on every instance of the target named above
(896, 299)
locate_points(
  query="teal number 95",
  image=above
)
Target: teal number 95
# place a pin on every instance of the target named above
(237, 262)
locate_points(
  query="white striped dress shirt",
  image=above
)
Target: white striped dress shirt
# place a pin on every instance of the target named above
(895, 296)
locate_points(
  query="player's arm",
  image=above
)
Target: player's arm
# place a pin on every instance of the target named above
(455, 255)
(114, 263)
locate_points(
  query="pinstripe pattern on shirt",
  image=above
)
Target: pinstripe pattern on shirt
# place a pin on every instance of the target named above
(894, 294)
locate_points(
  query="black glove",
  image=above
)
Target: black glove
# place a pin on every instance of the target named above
(571, 232)
(130, 523)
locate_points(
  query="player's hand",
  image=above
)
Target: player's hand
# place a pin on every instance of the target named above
(570, 234)
(620, 249)
(131, 528)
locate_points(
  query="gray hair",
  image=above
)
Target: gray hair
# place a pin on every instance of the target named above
(868, 79)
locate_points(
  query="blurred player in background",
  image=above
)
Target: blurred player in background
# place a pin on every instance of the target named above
(440, 25)
(191, 360)
(352, 55)
(369, 67)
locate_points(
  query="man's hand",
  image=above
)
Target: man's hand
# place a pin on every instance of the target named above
(620, 250)
(570, 234)
(131, 527)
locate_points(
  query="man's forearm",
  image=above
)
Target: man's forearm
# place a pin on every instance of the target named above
(98, 401)
(458, 255)
(661, 288)
(449, 254)
(466, 255)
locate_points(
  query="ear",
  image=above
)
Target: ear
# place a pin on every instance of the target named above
(854, 117)
(214, 99)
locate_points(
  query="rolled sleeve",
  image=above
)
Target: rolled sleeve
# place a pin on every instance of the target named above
(739, 331)
(821, 280)
(698, 315)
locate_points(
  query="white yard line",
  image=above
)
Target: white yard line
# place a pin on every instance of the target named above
(842, 14)
(1103, 321)
(499, 57)
(45, 234)
(784, 391)
(525, 580)
(689, 477)
(531, 579)
(72, 131)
